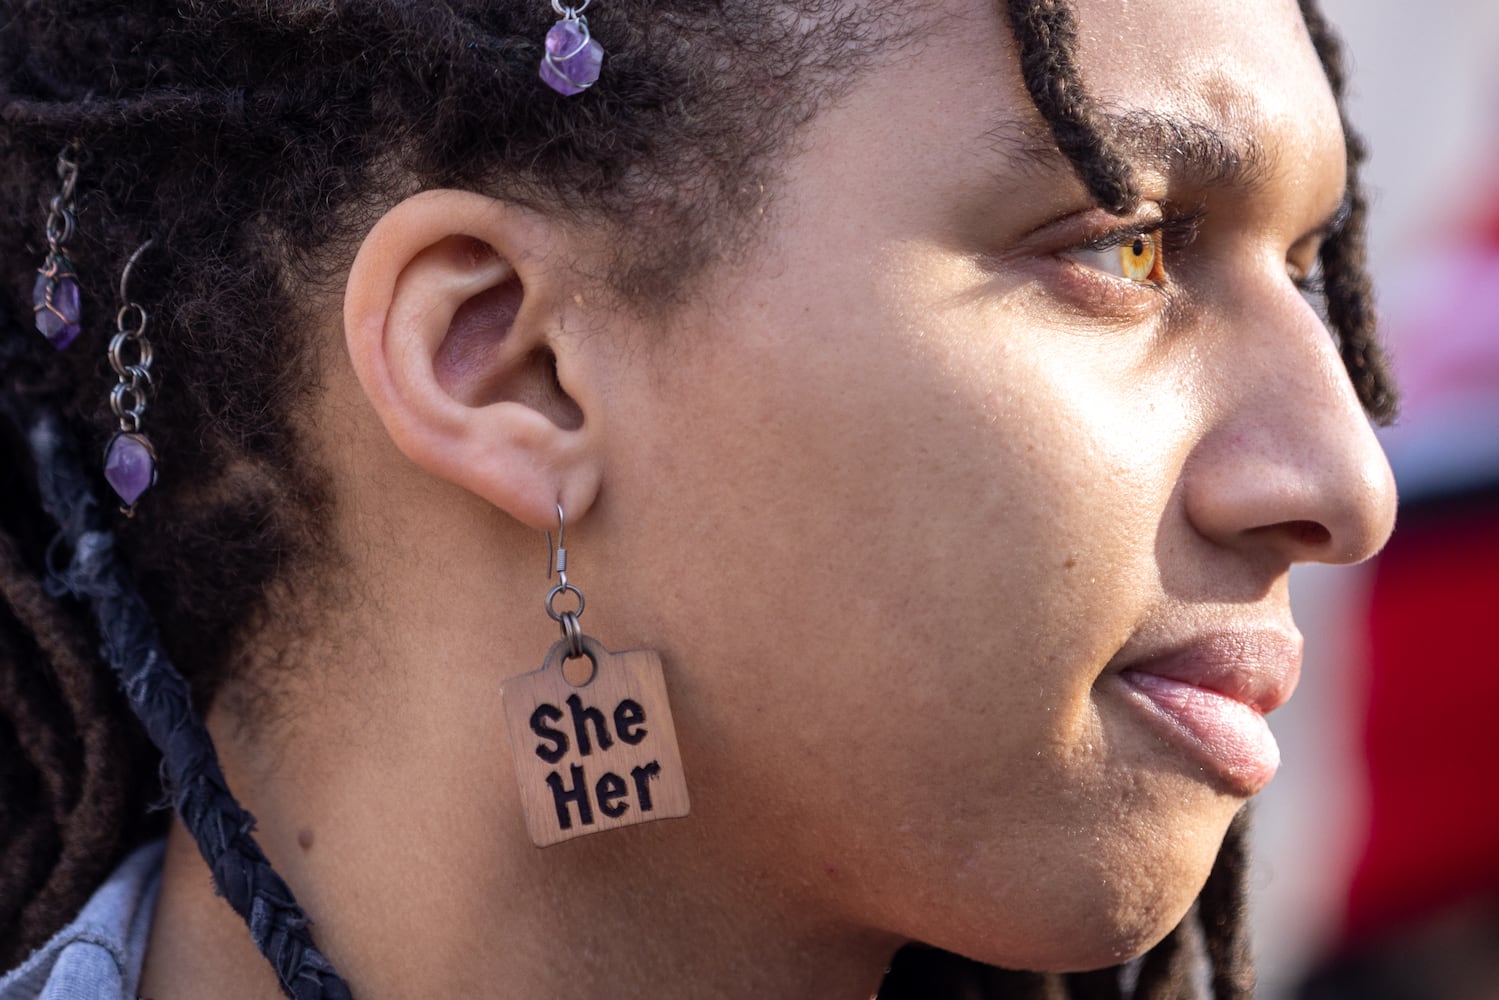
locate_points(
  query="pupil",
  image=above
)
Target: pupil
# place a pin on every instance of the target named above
(1139, 247)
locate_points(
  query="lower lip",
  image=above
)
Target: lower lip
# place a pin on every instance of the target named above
(1226, 736)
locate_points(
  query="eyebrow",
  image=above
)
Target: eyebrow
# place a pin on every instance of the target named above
(1186, 150)
(1191, 151)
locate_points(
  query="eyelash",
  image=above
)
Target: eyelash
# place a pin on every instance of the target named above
(1172, 232)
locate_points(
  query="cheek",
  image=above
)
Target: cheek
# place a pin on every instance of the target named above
(1010, 776)
(887, 564)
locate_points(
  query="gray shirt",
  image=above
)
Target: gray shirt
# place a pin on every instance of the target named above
(98, 956)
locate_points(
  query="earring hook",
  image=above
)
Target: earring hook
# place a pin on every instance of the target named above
(129, 265)
(559, 560)
(572, 632)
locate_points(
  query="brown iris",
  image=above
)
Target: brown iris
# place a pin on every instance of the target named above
(1140, 258)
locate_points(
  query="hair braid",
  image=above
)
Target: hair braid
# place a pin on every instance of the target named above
(1345, 276)
(1046, 31)
(160, 698)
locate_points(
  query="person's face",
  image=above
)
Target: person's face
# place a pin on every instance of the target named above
(938, 460)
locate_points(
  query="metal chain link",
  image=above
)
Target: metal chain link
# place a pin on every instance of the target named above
(128, 398)
(61, 221)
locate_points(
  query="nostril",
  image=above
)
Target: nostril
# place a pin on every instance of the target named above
(1307, 533)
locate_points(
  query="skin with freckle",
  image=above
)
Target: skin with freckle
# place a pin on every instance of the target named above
(901, 492)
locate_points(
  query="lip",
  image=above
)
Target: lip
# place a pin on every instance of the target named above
(1209, 696)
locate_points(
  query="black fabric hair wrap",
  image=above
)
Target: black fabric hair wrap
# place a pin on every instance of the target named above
(159, 695)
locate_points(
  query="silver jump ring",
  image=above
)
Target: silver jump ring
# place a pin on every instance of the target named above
(117, 359)
(570, 13)
(556, 615)
(131, 310)
(572, 634)
(60, 227)
(140, 378)
(122, 392)
(130, 415)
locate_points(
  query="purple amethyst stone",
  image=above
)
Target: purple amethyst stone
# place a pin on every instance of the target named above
(130, 466)
(573, 58)
(55, 300)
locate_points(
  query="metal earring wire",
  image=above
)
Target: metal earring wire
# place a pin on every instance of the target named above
(130, 458)
(572, 631)
(55, 297)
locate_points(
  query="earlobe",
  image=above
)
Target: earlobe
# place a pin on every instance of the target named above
(450, 318)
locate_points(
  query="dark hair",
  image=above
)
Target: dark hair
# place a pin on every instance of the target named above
(253, 141)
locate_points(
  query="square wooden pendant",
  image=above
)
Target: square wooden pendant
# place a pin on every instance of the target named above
(595, 755)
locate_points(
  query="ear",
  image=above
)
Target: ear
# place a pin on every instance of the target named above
(452, 321)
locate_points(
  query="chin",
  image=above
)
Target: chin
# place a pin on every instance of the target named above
(1080, 941)
(1099, 944)
(1078, 913)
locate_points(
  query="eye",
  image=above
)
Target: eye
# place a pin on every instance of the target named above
(1132, 256)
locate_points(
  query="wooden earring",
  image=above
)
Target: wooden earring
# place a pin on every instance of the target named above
(592, 752)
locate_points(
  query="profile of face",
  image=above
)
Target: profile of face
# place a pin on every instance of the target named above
(961, 510)
(954, 450)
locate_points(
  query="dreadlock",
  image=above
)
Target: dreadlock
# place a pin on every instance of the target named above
(1345, 278)
(1047, 33)
(249, 138)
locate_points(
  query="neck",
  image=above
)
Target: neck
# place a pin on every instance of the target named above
(402, 837)
(379, 770)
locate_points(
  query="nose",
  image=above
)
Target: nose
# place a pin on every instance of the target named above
(1288, 462)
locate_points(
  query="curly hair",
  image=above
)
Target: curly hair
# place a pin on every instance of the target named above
(254, 141)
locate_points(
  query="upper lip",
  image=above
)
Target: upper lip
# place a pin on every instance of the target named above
(1256, 665)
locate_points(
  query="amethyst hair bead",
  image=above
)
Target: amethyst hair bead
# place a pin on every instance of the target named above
(56, 301)
(573, 58)
(55, 298)
(130, 466)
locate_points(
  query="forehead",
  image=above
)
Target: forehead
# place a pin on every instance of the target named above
(1204, 45)
(1245, 67)
(1224, 78)
(937, 143)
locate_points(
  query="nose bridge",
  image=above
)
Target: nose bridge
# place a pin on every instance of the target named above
(1288, 458)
